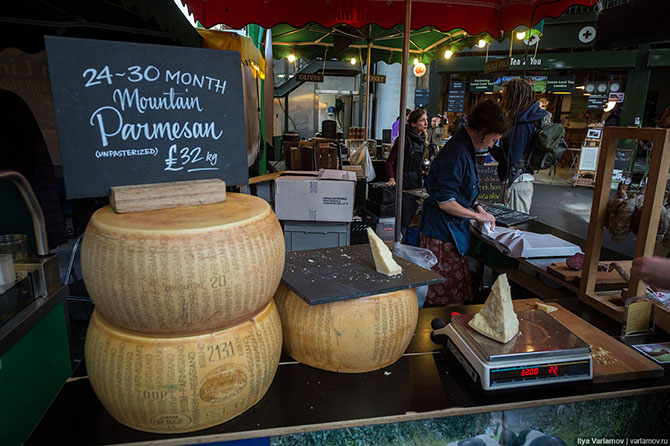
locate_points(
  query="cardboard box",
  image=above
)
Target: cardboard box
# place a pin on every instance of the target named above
(327, 195)
(358, 170)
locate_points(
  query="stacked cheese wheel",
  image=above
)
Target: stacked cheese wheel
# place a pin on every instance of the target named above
(351, 336)
(185, 334)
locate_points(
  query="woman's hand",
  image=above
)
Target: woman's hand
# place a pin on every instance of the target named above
(390, 182)
(483, 217)
(654, 271)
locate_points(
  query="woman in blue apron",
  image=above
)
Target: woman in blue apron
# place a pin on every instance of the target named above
(453, 186)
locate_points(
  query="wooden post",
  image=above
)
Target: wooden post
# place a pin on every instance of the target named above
(653, 201)
(594, 238)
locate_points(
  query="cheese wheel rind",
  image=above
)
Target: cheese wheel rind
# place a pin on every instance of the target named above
(182, 384)
(185, 270)
(351, 336)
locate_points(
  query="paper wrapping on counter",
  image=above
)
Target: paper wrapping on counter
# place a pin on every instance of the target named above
(525, 244)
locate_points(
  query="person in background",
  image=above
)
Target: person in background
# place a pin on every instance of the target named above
(654, 271)
(395, 128)
(435, 136)
(460, 121)
(523, 113)
(453, 186)
(413, 173)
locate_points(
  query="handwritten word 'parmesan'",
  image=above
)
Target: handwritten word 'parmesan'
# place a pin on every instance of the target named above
(109, 122)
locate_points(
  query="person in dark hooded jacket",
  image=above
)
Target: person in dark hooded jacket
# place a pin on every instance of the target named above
(412, 173)
(523, 113)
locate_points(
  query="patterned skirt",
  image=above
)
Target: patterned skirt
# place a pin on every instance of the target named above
(452, 266)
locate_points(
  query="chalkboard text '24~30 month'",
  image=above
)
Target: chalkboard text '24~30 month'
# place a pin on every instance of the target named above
(136, 73)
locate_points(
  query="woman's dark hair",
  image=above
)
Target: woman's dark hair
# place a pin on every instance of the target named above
(488, 118)
(415, 116)
(517, 97)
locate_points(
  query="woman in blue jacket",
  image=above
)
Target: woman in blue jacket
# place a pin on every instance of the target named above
(453, 186)
(523, 113)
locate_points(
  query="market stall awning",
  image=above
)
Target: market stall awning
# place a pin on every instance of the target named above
(343, 42)
(474, 16)
(26, 22)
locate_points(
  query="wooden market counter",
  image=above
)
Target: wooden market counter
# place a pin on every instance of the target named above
(426, 383)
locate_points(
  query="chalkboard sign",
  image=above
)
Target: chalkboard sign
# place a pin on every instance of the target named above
(622, 159)
(131, 113)
(490, 187)
(456, 97)
(421, 97)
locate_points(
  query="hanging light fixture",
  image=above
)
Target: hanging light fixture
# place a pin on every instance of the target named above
(416, 61)
(481, 43)
(448, 54)
(353, 61)
(520, 35)
(291, 57)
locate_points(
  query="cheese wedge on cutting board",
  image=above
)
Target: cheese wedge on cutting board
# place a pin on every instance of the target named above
(384, 262)
(497, 319)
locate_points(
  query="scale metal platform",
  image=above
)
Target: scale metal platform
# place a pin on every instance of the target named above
(543, 352)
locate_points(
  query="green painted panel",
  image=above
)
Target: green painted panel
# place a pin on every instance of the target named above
(31, 374)
(659, 58)
(546, 61)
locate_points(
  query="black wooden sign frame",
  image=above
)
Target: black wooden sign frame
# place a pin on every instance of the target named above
(130, 113)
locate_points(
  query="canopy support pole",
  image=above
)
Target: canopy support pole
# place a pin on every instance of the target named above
(367, 89)
(402, 123)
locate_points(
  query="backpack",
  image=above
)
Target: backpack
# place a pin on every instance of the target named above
(547, 145)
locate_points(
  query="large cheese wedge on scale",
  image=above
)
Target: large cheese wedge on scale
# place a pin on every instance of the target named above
(348, 336)
(168, 384)
(185, 270)
(497, 319)
(384, 262)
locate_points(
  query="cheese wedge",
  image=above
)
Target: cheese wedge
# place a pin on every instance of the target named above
(546, 308)
(497, 319)
(384, 262)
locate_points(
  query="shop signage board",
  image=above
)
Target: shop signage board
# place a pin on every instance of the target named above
(617, 97)
(309, 77)
(482, 84)
(597, 100)
(421, 96)
(490, 187)
(375, 78)
(130, 113)
(456, 97)
(497, 65)
(560, 84)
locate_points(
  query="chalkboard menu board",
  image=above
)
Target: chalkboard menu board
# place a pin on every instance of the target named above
(421, 97)
(456, 97)
(597, 100)
(490, 187)
(622, 159)
(131, 113)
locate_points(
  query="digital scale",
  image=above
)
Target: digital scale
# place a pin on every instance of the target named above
(543, 352)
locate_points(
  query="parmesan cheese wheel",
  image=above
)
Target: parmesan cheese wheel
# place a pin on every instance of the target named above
(185, 270)
(352, 336)
(182, 384)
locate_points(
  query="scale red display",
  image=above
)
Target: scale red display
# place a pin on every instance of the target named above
(540, 371)
(553, 370)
